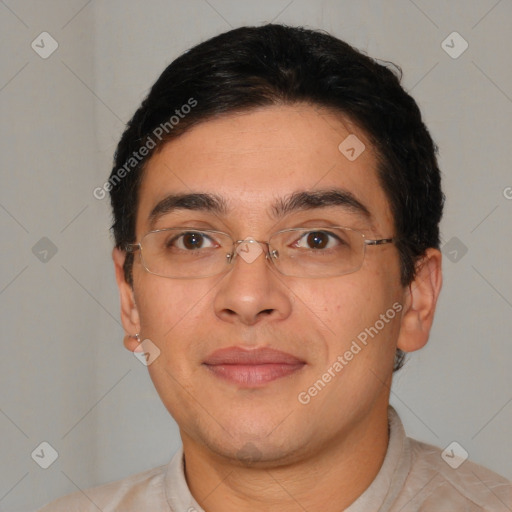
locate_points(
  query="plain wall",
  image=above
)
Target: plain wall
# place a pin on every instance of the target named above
(65, 376)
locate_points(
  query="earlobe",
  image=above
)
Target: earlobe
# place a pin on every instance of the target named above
(129, 312)
(133, 343)
(420, 301)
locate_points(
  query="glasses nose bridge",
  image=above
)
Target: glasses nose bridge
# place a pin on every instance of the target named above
(250, 253)
(250, 240)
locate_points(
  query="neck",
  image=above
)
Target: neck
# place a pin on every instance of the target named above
(330, 479)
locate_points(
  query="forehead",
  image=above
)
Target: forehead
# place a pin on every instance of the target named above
(254, 159)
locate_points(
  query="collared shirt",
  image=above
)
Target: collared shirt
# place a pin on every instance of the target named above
(413, 477)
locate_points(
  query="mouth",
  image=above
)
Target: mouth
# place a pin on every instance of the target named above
(252, 368)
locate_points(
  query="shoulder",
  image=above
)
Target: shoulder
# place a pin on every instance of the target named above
(447, 480)
(132, 493)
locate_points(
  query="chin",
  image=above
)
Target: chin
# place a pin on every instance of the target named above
(256, 453)
(257, 441)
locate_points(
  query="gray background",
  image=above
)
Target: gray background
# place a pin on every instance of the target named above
(65, 376)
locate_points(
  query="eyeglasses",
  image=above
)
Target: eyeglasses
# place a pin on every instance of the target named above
(188, 253)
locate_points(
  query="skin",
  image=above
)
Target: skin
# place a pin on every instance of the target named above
(260, 448)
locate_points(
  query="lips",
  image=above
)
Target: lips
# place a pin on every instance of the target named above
(252, 368)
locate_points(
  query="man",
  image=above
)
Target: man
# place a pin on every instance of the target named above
(276, 206)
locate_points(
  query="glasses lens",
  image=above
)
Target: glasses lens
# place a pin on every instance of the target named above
(185, 253)
(318, 252)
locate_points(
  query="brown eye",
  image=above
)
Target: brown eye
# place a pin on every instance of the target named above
(192, 240)
(317, 240)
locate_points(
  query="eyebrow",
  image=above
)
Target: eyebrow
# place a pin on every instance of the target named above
(321, 199)
(194, 201)
(298, 201)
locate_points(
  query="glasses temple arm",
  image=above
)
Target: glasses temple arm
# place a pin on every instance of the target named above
(131, 247)
(380, 241)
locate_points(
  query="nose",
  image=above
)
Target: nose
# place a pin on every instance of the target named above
(252, 291)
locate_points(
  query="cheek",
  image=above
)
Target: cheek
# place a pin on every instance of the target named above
(165, 304)
(171, 314)
(351, 306)
(340, 304)
(177, 316)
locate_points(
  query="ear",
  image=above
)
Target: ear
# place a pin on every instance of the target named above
(420, 299)
(129, 314)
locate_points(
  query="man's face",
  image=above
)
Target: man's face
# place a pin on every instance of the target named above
(255, 161)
